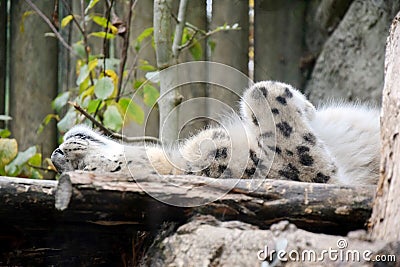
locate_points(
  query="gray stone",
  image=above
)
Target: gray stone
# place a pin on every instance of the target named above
(350, 66)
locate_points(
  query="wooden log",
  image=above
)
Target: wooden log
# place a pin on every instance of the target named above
(105, 216)
(317, 207)
(26, 199)
(385, 218)
(146, 203)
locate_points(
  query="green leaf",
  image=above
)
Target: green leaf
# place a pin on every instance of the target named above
(67, 122)
(150, 95)
(46, 121)
(79, 49)
(196, 51)
(5, 118)
(87, 92)
(104, 88)
(212, 45)
(101, 21)
(112, 118)
(8, 151)
(93, 105)
(60, 101)
(83, 74)
(4, 133)
(103, 35)
(147, 67)
(137, 84)
(35, 174)
(91, 5)
(15, 166)
(132, 110)
(36, 160)
(143, 35)
(66, 20)
(92, 64)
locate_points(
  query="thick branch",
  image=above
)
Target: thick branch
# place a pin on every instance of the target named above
(162, 32)
(318, 207)
(385, 218)
(105, 199)
(168, 96)
(179, 28)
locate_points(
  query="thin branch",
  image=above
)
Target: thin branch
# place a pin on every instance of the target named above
(111, 133)
(131, 70)
(179, 28)
(69, 10)
(196, 29)
(105, 41)
(124, 53)
(189, 42)
(97, 108)
(85, 39)
(41, 168)
(53, 29)
(188, 45)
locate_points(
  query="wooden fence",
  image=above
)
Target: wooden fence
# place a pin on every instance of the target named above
(281, 37)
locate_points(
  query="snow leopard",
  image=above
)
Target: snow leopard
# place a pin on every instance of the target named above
(277, 134)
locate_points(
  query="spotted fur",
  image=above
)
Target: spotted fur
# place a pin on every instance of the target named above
(279, 134)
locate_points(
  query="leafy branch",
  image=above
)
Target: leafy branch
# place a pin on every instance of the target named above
(124, 53)
(50, 24)
(111, 133)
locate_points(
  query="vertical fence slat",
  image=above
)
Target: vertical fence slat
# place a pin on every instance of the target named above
(3, 56)
(33, 76)
(279, 33)
(66, 73)
(196, 15)
(232, 47)
(142, 19)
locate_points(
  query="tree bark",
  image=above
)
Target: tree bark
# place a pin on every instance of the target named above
(106, 215)
(113, 200)
(385, 218)
(168, 129)
(263, 205)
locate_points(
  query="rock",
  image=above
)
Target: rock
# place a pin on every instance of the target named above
(206, 241)
(350, 66)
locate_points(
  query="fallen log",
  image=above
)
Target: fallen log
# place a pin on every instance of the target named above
(50, 222)
(316, 207)
(147, 202)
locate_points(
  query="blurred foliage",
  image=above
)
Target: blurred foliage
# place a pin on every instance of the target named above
(18, 163)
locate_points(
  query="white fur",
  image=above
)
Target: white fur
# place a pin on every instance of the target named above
(351, 134)
(279, 135)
